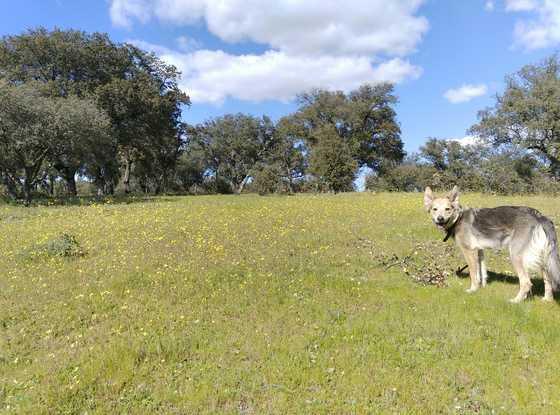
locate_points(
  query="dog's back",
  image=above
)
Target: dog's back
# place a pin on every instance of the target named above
(502, 222)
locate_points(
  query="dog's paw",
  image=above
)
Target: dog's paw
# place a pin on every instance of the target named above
(548, 299)
(516, 300)
(471, 290)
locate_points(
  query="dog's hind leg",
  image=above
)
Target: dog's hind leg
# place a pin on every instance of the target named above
(524, 279)
(472, 258)
(548, 292)
(482, 268)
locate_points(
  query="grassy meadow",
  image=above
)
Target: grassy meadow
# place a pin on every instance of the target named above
(256, 305)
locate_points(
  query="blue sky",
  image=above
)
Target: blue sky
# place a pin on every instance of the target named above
(447, 57)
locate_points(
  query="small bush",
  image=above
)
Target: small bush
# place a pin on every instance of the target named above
(402, 178)
(270, 179)
(63, 246)
(217, 185)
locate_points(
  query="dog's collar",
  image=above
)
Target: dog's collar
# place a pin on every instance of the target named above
(450, 229)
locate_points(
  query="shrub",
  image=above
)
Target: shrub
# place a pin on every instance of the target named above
(404, 178)
(65, 245)
(269, 179)
(62, 246)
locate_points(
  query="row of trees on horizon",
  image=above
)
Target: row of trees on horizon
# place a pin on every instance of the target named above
(81, 114)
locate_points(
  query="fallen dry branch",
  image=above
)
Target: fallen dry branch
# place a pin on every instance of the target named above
(427, 263)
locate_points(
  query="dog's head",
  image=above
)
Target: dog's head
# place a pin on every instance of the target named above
(443, 210)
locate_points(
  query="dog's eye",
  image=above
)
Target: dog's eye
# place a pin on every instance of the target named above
(434, 209)
(447, 209)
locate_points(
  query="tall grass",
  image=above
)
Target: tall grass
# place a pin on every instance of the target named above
(225, 304)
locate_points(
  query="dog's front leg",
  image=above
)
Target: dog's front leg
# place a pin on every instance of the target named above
(472, 258)
(483, 275)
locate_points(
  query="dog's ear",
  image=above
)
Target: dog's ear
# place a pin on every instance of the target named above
(454, 195)
(428, 198)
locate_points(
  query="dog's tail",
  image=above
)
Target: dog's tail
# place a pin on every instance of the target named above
(550, 258)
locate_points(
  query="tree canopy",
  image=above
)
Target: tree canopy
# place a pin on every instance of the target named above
(88, 79)
(528, 113)
(364, 119)
(38, 131)
(80, 111)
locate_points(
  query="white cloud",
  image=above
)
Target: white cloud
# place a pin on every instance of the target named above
(465, 93)
(184, 45)
(311, 44)
(489, 6)
(354, 27)
(540, 31)
(468, 140)
(187, 44)
(521, 5)
(213, 76)
(123, 11)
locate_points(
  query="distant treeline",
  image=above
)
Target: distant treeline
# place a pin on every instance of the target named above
(477, 167)
(515, 145)
(81, 114)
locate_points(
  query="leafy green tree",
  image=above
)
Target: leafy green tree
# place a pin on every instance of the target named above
(145, 109)
(364, 120)
(454, 163)
(66, 62)
(284, 164)
(331, 161)
(137, 90)
(191, 169)
(528, 113)
(156, 164)
(233, 146)
(505, 169)
(81, 134)
(508, 170)
(267, 179)
(434, 151)
(406, 177)
(26, 124)
(36, 130)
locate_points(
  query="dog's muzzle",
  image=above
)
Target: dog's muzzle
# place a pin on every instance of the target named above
(441, 223)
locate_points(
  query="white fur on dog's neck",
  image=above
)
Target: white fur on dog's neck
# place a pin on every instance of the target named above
(449, 227)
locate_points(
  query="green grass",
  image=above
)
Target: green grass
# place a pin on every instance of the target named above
(256, 305)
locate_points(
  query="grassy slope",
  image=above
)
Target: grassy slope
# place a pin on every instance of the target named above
(260, 305)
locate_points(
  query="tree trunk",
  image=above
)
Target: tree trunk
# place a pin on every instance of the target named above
(127, 168)
(27, 190)
(144, 185)
(51, 185)
(10, 187)
(554, 166)
(157, 184)
(110, 189)
(164, 180)
(69, 175)
(242, 185)
(290, 181)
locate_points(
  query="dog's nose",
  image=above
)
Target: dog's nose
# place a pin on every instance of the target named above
(440, 218)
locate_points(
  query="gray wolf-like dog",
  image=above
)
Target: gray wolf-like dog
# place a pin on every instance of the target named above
(527, 234)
